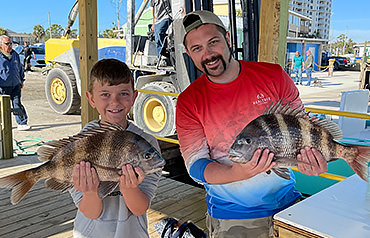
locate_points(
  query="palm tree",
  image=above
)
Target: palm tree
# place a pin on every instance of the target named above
(38, 32)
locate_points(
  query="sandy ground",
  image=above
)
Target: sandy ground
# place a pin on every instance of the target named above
(46, 124)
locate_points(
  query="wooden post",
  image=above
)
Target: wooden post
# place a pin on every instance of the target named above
(6, 127)
(273, 31)
(88, 53)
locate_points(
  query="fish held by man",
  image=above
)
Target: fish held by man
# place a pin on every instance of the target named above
(107, 148)
(284, 130)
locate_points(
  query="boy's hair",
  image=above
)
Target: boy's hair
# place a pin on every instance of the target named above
(110, 71)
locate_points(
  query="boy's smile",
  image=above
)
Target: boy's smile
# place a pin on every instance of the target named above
(112, 102)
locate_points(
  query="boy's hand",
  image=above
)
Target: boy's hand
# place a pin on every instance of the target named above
(85, 178)
(131, 177)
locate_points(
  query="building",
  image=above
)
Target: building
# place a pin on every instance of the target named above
(319, 11)
(298, 24)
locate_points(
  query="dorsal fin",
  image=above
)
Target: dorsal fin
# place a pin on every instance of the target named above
(299, 112)
(47, 151)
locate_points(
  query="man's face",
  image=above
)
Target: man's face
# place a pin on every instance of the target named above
(6, 46)
(209, 49)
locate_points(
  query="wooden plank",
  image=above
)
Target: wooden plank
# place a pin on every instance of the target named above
(273, 31)
(88, 53)
(6, 127)
(288, 231)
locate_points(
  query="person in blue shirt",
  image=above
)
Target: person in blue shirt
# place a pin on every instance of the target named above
(12, 80)
(298, 67)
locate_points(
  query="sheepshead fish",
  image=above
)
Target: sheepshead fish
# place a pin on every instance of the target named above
(284, 130)
(107, 148)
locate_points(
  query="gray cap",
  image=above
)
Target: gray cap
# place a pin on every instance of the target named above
(195, 19)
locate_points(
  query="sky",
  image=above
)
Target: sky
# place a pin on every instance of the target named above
(348, 17)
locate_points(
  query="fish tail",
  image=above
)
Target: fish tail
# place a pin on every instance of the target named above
(361, 161)
(20, 183)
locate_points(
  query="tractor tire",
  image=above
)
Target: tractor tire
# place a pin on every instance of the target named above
(61, 90)
(154, 113)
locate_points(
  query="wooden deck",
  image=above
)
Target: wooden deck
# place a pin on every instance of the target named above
(46, 213)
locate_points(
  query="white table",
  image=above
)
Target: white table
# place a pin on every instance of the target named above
(340, 211)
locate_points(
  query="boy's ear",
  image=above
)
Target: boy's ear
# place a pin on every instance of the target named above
(135, 96)
(90, 98)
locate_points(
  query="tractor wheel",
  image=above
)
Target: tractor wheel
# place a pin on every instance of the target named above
(155, 114)
(61, 90)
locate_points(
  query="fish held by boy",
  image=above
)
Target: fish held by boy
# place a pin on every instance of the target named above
(107, 149)
(284, 130)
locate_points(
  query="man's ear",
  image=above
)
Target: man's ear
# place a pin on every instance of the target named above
(227, 36)
(90, 98)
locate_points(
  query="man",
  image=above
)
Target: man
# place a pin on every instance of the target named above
(298, 67)
(12, 79)
(309, 67)
(210, 113)
(27, 57)
(161, 21)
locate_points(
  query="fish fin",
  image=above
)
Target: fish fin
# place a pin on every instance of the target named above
(332, 127)
(361, 161)
(56, 184)
(106, 187)
(282, 172)
(286, 109)
(20, 184)
(47, 151)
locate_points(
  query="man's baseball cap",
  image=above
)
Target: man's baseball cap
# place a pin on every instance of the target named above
(197, 18)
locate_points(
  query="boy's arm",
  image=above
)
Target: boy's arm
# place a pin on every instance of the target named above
(136, 200)
(85, 180)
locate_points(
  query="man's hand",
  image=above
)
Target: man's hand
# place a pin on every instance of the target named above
(260, 162)
(85, 178)
(315, 163)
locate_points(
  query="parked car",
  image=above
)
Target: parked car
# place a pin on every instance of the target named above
(340, 61)
(39, 53)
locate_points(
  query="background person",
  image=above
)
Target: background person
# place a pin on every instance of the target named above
(211, 112)
(297, 67)
(161, 21)
(27, 57)
(12, 80)
(123, 212)
(309, 66)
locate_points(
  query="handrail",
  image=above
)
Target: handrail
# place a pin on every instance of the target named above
(338, 113)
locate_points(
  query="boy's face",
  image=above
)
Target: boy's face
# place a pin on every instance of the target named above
(112, 102)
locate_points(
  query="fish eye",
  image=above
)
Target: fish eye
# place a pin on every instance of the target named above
(147, 156)
(244, 141)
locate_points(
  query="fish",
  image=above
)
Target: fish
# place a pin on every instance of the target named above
(285, 129)
(107, 148)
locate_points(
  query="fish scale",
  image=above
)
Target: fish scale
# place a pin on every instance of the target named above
(107, 149)
(285, 130)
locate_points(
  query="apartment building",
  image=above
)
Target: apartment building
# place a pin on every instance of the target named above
(319, 11)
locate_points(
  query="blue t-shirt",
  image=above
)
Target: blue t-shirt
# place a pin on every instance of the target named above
(298, 61)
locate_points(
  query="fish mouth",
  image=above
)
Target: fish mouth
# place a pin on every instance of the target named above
(236, 156)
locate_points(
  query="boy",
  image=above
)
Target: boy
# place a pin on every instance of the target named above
(123, 212)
